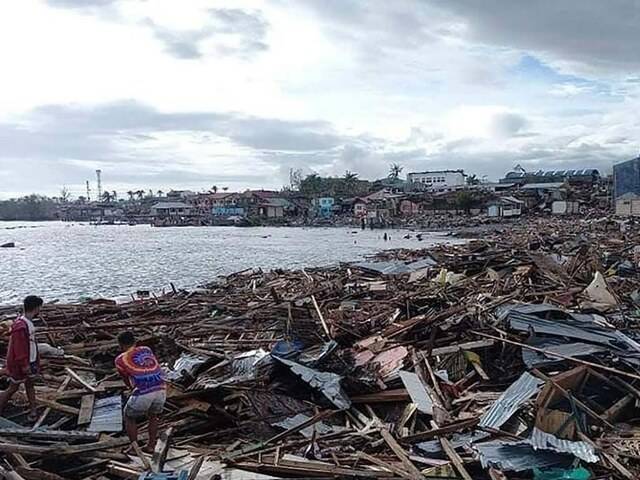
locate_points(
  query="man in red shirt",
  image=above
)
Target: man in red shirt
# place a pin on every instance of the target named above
(141, 372)
(23, 360)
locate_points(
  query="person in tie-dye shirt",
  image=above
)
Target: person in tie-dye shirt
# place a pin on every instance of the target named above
(141, 372)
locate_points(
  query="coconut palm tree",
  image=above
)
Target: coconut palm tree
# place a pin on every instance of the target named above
(214, 189)
(140, 194)
(395, 170)
(106, 197)
(114, 195)
(131, 194)
(224, 189)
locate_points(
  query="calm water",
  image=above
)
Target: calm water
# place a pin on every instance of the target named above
(71, 261)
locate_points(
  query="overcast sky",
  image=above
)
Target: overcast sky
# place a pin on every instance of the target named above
(188, 94)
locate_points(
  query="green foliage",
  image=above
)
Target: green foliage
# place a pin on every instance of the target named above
(31, 207)
(348, 185)
(464, 200)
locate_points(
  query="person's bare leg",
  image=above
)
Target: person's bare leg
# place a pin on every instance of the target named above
(31, 396)
(153, 433)
(7, 394)
(132, 428)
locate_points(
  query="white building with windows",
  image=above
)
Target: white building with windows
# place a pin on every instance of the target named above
(438, 179)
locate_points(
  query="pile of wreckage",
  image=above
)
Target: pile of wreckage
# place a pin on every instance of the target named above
(512, 357)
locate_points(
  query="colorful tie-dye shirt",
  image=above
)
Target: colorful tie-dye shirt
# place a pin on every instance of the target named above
(141, 367)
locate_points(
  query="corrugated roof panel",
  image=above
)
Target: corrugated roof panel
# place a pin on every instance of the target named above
(511, 400)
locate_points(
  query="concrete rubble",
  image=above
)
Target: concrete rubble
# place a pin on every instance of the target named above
(513, 356)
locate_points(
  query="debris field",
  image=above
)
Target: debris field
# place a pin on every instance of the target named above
(512, 356)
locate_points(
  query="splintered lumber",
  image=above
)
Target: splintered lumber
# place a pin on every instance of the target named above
(49, 434)
(47, 410)
(58, 407)
(160, 453)
(86, 409)
(80, 380)
(412, 471)
(455, 458)
(320, 316)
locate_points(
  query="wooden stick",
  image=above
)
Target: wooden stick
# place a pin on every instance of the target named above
(320, 316)
(78, 379)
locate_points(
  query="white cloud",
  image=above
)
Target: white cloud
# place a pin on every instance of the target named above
(242, 90)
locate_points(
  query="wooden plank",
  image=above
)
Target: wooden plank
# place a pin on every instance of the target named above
(455, 458)
(47, 410)
(195, 469)
(451, 428)
(160, 453)
(320, 316)
(461, 346)
(48, 434)
(86, 409)
(80, 380)
(412, 470)
(387, 466)
(58, 407)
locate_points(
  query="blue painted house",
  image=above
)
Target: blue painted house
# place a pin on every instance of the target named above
(325, 206)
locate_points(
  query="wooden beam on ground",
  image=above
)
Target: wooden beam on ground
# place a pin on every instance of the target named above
(320, 316)
(412, 470)
(47, 410)
(58, 407)
(455, 458)
(80, 380)
(160, 453)
(86, 409)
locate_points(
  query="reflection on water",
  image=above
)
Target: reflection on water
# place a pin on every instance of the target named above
(70, 261)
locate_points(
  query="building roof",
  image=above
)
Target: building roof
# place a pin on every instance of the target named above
(585, 172)
(276, 202)
(435, 171)
(511, 200)
(167, 205)
(542, 186)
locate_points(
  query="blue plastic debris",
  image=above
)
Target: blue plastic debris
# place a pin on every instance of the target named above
(179, 475)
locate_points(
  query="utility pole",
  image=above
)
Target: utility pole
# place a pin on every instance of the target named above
(88, 192)
(99, 180)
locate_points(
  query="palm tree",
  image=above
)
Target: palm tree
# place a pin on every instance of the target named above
(395, 170)
(224, 189)
(106, 196)
(140, 194)
(350, 180)
(214, 189)
(473, 180)
(160, 193)
(131, 193)
(114, 195)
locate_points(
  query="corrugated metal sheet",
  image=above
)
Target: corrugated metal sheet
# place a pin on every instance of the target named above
(417, 392)
(107, 415)
(328, 383)
(396, 268)
(518, 457)
(544, 441)
(533, 359)
(511, 400)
